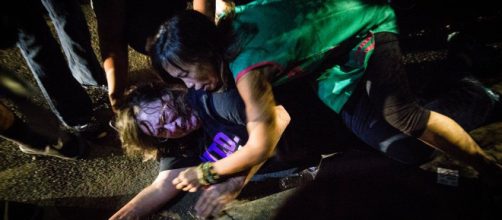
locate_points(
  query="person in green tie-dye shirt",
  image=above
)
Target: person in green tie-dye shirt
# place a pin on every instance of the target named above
(349, 51)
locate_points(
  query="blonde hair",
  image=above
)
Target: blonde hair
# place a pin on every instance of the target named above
(134, 141)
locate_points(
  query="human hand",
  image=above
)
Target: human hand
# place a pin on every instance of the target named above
(216, 196)
(188, 180)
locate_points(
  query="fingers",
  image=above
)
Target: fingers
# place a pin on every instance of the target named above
(194, 189)
(186, 181)
(184, 185)
(189, 188)
(179, 183)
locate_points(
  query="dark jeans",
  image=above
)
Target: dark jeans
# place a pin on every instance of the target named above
(73, 33)
(21, 94)
(383, 106)
(59, 79)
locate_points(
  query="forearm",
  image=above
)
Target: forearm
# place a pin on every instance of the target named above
(115, 66)
(266, 123)
(113, 45)
(251, 154)
(283, 120)
(150, 198)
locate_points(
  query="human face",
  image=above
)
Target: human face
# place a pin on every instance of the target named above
(196, 75)
(161, 118)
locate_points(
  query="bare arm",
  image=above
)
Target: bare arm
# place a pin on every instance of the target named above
(262, 125)
(213, 9)
(188, 180)
(113, 45)
(264, 130)
(205, 7)
(215, 197)
(150, 198)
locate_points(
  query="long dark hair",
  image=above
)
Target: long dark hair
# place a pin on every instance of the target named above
(190, 37)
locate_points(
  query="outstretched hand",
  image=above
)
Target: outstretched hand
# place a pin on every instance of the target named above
(216, 196)
(188, 180)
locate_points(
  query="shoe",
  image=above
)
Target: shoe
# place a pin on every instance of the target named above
(299, 179)
(71, 149)
(92, 130)
(97, 128)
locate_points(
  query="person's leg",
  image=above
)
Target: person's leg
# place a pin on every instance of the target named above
(43, 134)
(368, 124)
(466, 101)
(388, 90)
(452, 88)
(74, 36)
(66, 97)
(31, 141)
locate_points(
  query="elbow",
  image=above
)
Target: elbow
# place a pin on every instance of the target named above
(278, 126)
(282, 118)
(267, 154)
(261, 154)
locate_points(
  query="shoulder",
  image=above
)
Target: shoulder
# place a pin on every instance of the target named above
(222, 106)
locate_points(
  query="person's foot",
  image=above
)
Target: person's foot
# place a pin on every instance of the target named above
(97, 128)
(91, 130)
(70, 149)
(298, 179)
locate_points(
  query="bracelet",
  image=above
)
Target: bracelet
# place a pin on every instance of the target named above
(200, 176)
(209, 176)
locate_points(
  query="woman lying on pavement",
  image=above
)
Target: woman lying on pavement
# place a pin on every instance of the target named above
(350, 48)
(312, 131)
(195, 127)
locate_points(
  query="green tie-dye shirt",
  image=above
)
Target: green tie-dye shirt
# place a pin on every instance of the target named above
(295, 36)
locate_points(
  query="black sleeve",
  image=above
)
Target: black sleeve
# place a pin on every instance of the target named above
(225, 107)
(181, 152)
(229, 106)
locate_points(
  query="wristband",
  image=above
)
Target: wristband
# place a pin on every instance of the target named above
(209, 176)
